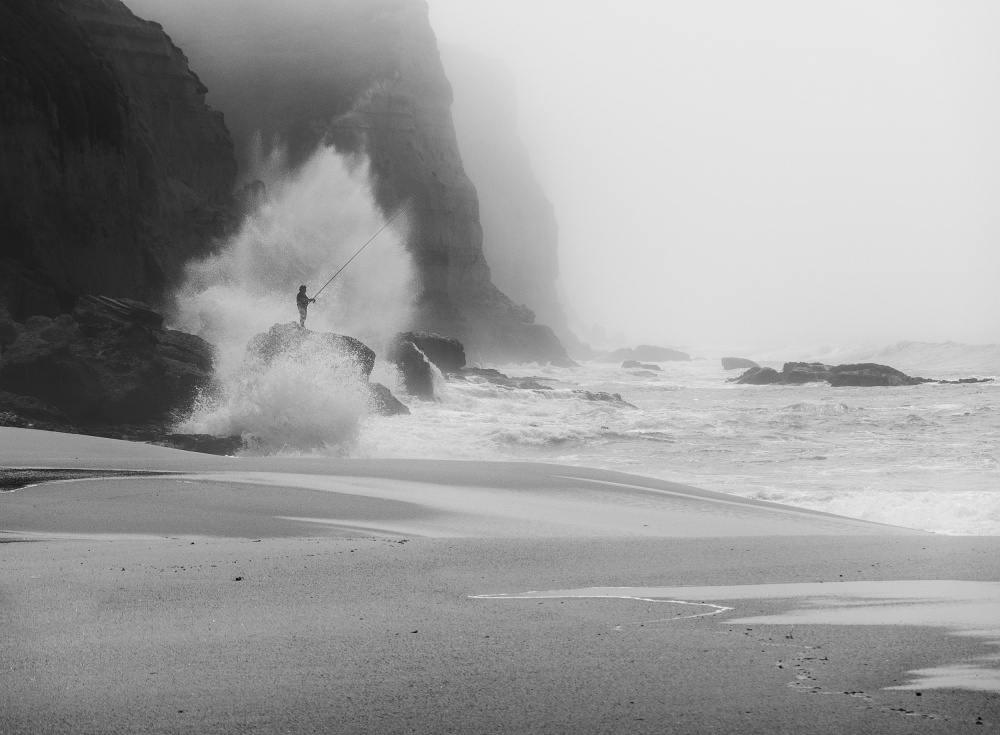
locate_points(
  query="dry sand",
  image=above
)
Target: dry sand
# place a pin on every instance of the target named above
(300, 595)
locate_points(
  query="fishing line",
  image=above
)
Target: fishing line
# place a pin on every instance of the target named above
(389, 222)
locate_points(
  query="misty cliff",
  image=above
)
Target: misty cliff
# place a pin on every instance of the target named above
(113, 170)
(520, 232)
(365, 76)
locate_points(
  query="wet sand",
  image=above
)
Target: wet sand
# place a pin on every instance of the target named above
(265, 595)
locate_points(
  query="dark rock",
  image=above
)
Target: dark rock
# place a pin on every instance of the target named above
(870, 375)
(384, 403)
(115, 171)
(495, 377)
(445, 352)
(801, 375)
(603, 396)
(758, 376)
(282, 339)
(636, 365)
(107, 363)
(647, 352)
(563, 362)
(418, 377)
(735, 363)
(8, 327)
(225, 446)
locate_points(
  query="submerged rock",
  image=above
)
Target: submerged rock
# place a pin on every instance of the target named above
(647, 352)
(636, 365)
(734, 363)
(494, 376)
(603, 396)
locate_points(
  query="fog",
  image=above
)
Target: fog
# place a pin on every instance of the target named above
(761, 173)
(740, 174)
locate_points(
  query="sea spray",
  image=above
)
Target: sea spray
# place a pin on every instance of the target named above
(309, 397)
(306, 227)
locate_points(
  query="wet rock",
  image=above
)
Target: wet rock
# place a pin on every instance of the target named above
(288, 338)
(225, 446)
(735, 363)
(491, 375)
(384, 403)
(108, 362)
(418, 377)
(446, 353)
(636, 365)
(650, 353)
(602, 396)
(870, 375)
(758, 376)
(563, 362)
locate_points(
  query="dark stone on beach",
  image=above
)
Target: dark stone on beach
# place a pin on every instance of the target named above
(446, 353)
(735, 363)
(418, 376)
(603, 397)
(290, 338)
(385, 403)
(647, 352)
(111, 361)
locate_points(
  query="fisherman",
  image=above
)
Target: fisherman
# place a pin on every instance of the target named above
(303, 301)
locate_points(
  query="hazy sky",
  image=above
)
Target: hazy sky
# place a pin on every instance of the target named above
(761, 173)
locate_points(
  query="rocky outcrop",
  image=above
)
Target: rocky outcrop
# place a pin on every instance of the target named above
(446, 353)
(284, 339)
(735, 363)
(110, 361)
(863, 375)
(416, 369)
(646, 352)
(295, 342)
(113, 171)
(367, 77)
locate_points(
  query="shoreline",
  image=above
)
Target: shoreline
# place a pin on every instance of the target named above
(249, 595)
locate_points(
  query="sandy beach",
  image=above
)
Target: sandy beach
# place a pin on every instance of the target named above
(300, 595)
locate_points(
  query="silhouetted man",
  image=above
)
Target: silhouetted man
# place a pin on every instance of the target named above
(303, 301)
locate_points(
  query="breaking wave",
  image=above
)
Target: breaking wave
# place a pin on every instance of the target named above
(308, 225)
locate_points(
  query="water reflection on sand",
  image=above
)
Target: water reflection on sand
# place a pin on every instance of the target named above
(965, 608)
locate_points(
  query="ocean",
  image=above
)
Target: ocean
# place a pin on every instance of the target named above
(924, 457)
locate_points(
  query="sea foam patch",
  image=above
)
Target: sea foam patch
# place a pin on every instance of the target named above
(967, 608)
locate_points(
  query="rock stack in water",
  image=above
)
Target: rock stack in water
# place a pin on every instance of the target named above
(285, 339)
(867, 374)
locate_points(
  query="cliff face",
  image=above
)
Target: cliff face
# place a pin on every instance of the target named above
(113, 171)
(365, 75)
(520, 233)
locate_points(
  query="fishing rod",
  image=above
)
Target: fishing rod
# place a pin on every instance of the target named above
(389, 222)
